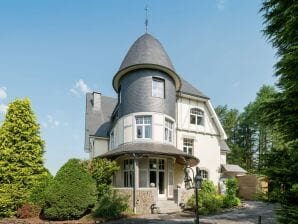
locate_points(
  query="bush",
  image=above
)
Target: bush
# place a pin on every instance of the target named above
(102, 170)
(209, 200)
(111, 205)
(230, 198)
(28, 211)
(37, 195)
(71, 193)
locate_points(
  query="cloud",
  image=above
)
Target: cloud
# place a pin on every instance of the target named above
(3, 108)
(220, 4)
(50, 122)
(3, 93)
(80, 87)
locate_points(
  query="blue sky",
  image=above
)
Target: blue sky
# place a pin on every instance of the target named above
(55, 51)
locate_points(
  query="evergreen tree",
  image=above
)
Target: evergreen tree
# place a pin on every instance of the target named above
(281, 20)
(21, 156)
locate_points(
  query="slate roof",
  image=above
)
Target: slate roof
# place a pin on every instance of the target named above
(147, 50)
(189, 89)
(233, 168)
(98, 122)
(151, 148)
(224, 146)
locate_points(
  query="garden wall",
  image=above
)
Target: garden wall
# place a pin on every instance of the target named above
(145, 197)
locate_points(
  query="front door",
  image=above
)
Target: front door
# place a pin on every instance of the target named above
(157, 175)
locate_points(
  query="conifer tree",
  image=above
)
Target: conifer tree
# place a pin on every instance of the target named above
(21, 156)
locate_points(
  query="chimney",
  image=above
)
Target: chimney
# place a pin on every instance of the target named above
(96, 101)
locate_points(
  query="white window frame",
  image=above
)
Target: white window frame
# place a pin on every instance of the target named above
(128, 173)
(204, 174)
(112, 140)
(143, 125)
(188, 146)
(198, 116)
(158, 87)
(169, 127)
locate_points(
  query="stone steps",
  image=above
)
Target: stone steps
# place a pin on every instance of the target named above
(167, 206)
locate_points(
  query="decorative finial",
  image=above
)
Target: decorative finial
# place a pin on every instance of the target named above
(146, 20)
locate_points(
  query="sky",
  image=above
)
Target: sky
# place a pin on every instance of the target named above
(54, 51)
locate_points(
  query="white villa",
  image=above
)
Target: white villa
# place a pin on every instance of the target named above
(158, 124)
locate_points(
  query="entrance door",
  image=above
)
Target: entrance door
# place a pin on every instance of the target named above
(157, 175)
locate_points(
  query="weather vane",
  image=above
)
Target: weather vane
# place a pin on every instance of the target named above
(146, 20)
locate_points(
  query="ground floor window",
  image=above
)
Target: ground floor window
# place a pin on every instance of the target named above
(204, 174)
(128, 173)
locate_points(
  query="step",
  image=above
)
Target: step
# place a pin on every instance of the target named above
(167, 206)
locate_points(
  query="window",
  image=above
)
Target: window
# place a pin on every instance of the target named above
(204, 174)
(144, 126)
(112, 139)
(168, 130)
(188, 146)
(158, 87)
(119, 95)
(128, 173)
(196, 116)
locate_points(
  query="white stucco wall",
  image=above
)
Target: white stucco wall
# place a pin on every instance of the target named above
(125, 129)
(100, 146)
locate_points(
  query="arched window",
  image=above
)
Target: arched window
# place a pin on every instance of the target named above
(196, 116)
(204, 174)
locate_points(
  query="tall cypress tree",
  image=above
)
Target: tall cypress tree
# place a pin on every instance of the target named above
(281, 20)
(21, 156)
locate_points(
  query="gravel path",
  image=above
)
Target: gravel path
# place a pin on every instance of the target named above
(247, 215)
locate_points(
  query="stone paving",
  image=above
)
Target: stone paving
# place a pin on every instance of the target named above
(247, 215)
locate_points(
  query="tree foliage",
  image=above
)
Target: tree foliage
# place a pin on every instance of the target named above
(281, 112)
(71, 193)
(102, 170)
(21, 156)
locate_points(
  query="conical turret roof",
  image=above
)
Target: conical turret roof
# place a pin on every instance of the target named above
(147, 50)
(146, 53)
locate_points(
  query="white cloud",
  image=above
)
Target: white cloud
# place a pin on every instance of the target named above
(3, 108)
(220, 5)
(50, 122)
(3, 93)
(80, 87)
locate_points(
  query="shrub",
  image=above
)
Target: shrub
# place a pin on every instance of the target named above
(71, 193)
(102, 170)
(37, 195)
(230, 198)
(28, 211)
(209, 200)
(111, 205)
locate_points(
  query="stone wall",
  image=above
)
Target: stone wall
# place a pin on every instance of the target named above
(182, 195)
(145, 197)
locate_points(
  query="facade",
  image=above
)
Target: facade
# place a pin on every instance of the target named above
(158, 124)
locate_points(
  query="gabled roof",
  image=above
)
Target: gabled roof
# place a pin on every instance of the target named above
(233, 168)
(189, 89)
(98, 121)
(224, 146)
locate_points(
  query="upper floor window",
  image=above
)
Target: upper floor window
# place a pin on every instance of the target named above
(112, 139)
(119, 95)
(158, 87)
(168, 130)
(204, 174)
(144, 126)
(196, 116)
(128, 173)
(188, 146)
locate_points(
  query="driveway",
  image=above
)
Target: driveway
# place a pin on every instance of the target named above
(249, 214)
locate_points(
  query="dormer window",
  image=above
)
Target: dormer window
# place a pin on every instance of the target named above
(112, 139)
(158, 87)
(196, 116)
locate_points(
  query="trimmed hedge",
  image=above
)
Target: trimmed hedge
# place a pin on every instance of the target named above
(71, 194)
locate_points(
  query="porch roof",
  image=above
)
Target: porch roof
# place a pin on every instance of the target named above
(233, 168)
(150, 148)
